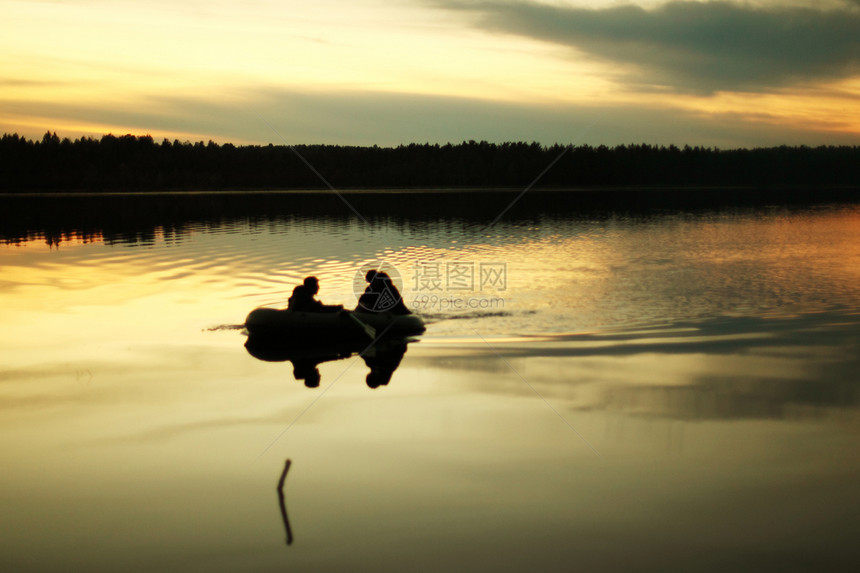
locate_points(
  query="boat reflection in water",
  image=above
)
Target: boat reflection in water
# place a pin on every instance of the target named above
(307, 339)
(381, 356)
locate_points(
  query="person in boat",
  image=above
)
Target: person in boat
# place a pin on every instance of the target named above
(302, 299)
(381, 295)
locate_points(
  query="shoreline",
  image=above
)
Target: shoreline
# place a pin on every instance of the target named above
(447, 190)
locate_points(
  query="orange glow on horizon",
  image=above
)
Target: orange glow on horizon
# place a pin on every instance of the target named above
(170, 69)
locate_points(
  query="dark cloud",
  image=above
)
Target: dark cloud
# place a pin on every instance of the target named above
(693, 46)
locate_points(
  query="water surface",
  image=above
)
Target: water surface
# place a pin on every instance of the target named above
(652, 388)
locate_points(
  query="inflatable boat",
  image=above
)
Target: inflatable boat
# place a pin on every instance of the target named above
(330, 327)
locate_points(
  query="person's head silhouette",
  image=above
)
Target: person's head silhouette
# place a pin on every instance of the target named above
(312, 284)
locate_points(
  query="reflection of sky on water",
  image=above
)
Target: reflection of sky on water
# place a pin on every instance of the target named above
(769, 277)
(710, 360)
(718, 369)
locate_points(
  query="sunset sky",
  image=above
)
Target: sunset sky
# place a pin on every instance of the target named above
(363, 72)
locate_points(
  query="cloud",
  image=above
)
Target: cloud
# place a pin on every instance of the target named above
(367, 118)
(693, 46)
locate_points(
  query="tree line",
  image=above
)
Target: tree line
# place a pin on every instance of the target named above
(139, 163)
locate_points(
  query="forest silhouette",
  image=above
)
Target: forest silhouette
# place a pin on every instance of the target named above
(139, 163)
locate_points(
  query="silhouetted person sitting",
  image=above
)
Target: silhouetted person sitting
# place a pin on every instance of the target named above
(381, 295)
(302, 299)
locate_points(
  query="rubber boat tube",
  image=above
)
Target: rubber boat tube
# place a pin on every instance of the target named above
(330, 326)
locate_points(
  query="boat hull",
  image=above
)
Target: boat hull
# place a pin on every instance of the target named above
(330, 327)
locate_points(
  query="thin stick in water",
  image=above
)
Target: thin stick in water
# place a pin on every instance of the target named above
(283, 502)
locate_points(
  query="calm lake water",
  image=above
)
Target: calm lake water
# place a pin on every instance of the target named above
(605, 384)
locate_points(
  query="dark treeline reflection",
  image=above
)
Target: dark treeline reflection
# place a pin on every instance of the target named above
(130, 163)
(141, 217)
